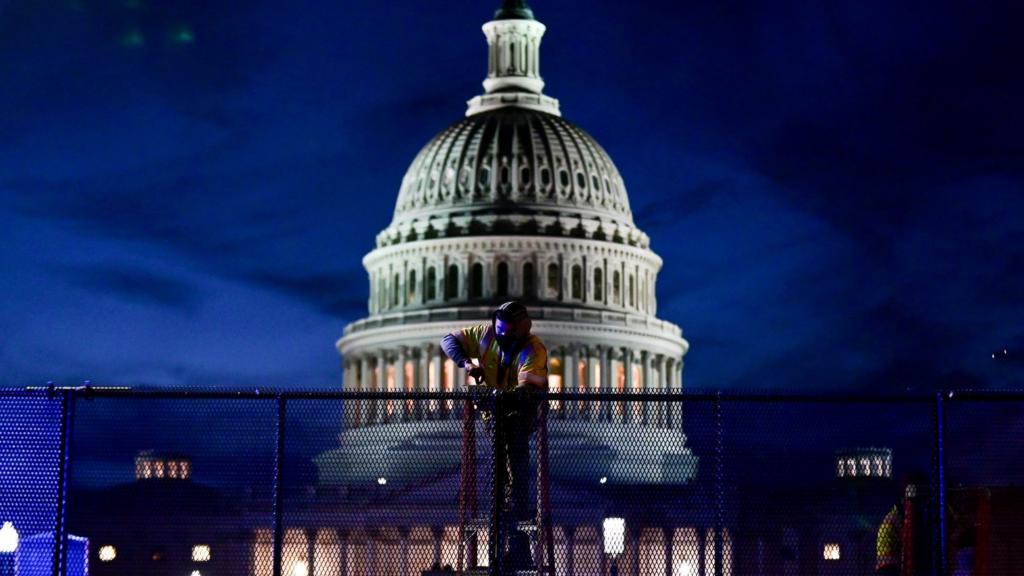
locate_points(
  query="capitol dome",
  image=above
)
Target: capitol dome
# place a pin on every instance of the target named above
(512, 170)
(515, 202)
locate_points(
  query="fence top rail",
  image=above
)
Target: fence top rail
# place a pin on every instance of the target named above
(96, 392)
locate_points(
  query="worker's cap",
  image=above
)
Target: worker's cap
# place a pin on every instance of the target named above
(511, 311)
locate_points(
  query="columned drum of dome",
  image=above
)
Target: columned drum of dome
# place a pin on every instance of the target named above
(514, 201)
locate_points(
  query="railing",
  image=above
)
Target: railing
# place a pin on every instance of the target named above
(210, 482)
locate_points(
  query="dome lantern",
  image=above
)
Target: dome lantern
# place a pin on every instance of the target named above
(513, 62)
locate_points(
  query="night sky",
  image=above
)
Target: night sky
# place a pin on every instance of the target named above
(187, 187)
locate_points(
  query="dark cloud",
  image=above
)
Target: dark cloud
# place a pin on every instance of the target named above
(336, 295)
(135, 284)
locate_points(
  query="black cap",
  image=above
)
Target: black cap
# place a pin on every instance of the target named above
(511, 311)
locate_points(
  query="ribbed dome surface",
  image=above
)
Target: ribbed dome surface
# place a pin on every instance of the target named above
(513, 161)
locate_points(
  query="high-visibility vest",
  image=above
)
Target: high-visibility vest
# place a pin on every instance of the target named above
(888, 545)
(529, 366)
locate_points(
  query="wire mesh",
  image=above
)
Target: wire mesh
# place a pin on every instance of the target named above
(984, 457)
(172, 486)
(324, 484)
(30, 455)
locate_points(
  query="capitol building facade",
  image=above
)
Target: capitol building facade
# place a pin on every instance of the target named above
(510, 202)
(514, 202)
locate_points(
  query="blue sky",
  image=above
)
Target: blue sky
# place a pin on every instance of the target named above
(187, 188)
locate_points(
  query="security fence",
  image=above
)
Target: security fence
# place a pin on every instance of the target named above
(210, 483)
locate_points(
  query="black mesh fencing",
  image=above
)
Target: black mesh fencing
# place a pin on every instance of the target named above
(210, 483)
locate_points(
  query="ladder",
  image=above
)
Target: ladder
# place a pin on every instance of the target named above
(472, 524)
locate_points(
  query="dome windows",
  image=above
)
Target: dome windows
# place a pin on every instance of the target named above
(577, 282)
(529, 287)
(396, 291)
(553, 279)
(502, 288)
(451, 283)
(598, 285)
(476, 281)
(431, 284)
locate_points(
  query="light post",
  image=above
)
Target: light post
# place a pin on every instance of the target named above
(8, 550)
(614, 540)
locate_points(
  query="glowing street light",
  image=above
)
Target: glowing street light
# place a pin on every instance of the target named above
(8, 546)
(8, 538)
(614, 540)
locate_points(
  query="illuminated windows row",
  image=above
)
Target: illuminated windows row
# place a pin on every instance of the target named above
(200, 553)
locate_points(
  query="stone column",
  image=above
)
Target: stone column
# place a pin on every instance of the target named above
(647, 385)
(346, 407)
(676, 408)
(422, 378)
(627, 369)
(618, 408)
(381, 414)
(366, 409)
(605, 407)
(593, 382)
(660, 364)
(570, 371)
(405, 408)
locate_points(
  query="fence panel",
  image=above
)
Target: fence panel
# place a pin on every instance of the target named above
(984, 458)
(30, 455)
(184, 482)
(827, 486)
(381, 494)
(172, 486)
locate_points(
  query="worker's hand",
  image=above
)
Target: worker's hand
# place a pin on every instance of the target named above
(475, 372)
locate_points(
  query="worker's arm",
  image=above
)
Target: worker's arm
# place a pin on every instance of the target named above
(462, 346)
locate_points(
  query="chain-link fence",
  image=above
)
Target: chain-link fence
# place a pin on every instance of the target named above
(210, 483)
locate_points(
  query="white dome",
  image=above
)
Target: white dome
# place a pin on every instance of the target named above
(512, 170)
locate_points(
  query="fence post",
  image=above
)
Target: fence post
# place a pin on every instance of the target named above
(278, 488)
(496, 537)
(939, 463)
(60, 531)
(719, 488)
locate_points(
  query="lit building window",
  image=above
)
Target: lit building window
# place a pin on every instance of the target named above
(186, 470)
(831, 552)
(158, 468)
(200, 553)
(172, 469)
(107, 553)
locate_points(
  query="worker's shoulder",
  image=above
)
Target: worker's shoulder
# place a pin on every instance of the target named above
(474, 328)
(535, 344)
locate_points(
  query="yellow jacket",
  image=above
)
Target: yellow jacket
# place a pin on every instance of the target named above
(530, 366)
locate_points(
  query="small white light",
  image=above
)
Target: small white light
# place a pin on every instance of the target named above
(300, 568)
(831, 552)
(196, 573)
(8, 538)
(603, 480)
(382, 480)
(200, 553)
(107, 553)
(614, 535)
(683, 568)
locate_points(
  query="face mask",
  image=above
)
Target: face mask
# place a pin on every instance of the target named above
(506, 335)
